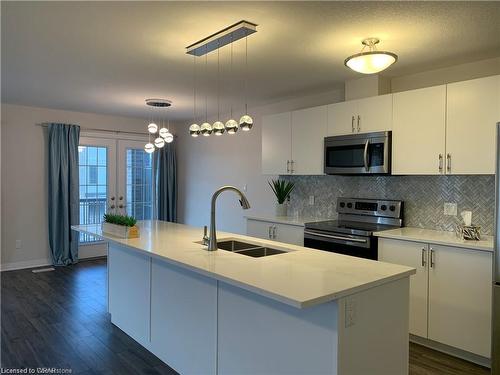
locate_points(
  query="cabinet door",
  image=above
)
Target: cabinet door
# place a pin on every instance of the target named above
(460, 290)
(276, 143)
(289, 234)
(309, 129)
(342, 118)
(472, 114)
(375, 114)
(259, 229)
(411, 254)
(418, 131)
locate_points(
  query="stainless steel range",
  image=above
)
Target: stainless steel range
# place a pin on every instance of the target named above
(352, 233)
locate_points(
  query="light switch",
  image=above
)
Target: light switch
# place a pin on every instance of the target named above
(18, 244)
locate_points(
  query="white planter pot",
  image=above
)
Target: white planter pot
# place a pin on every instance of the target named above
(281, 209)
(120, 231)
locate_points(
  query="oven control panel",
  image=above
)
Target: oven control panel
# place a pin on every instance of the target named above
(370, 207)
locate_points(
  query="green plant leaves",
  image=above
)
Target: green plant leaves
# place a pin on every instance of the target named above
(281, 189)
(127, 221)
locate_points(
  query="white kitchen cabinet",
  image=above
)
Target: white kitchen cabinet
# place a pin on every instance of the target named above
(276, 143)
(460, 298)
(418, 131)
(360, 116)
(270, 230)
(411, 254)
(309, 129)
(292, 142)
(450, 296)
(472, 112)
(183, 319)
(129, 299)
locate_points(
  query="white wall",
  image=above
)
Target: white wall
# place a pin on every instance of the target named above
(204, 164)
(24, 177)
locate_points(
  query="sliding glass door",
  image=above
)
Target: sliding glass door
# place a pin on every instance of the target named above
(115, 176)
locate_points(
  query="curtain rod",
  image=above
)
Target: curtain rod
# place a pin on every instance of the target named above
(46, 124)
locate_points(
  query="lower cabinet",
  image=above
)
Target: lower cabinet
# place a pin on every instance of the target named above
(269, 230)
(450, 296)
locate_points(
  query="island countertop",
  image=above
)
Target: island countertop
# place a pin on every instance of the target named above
(301, 277)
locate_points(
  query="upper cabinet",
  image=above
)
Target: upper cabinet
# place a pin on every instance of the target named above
(448, 129)
(292, 142)
(472, 112)
(418, 131)
(276, 143)
(360, 116)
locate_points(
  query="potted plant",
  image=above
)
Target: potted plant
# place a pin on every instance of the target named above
(281, 190)
(122, 226)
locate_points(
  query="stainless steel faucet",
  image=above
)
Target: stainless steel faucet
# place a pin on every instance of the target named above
(212, 241)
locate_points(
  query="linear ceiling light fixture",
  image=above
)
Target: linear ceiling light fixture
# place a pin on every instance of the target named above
(162, 135)
(372, 61)
(215, 42)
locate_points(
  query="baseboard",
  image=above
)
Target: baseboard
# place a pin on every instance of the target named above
(471, 357)
(25, 264)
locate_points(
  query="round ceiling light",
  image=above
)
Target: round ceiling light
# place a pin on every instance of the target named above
(372, 61)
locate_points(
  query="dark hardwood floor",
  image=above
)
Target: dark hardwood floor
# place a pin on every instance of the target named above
(58, 319)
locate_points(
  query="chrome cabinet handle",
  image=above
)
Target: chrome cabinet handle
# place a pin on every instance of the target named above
(441, 163)
(432, 258)
(291, 166)
(274, 232)
(288, 166)
(424, 261)
(269, 232)
(335, 237)
(365, 155)
(448, 162)
(352, 124)
(359, 126)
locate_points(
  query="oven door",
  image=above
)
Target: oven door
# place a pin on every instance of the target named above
(358, 154)
(340, 243)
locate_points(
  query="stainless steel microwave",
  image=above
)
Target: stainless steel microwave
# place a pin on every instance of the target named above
(368, 153)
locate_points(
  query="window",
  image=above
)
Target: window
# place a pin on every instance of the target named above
(92, 165)
(139, 184)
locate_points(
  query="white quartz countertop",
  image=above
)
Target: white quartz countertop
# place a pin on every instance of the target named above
(290, 220)
(436, 237)
(301, 277)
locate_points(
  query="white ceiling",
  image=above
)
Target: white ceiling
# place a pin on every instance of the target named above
(107, 57)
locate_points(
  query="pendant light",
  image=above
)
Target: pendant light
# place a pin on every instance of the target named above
(206, 128)
(163, 135)
(246, 122)
(231, 124)
(194, 129)
(218, 126)
(372, 61)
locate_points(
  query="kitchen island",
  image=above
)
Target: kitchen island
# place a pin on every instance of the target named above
(303, 311)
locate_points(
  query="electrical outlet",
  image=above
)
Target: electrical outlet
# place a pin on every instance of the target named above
(450, 209)
(311, 200)
(18, 244)
(350, 312)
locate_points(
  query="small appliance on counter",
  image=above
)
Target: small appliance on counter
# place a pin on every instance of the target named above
(352, 233)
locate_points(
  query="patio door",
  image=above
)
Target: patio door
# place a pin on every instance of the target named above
(115, 176)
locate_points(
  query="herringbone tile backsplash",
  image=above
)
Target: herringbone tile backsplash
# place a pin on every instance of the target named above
(423, 196)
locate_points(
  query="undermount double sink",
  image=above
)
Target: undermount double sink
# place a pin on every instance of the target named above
(248, 249)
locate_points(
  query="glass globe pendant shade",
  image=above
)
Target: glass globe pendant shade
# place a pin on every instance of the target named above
(218, 128)
(231, 126)
(206, 129)
(246, 123)
(169, 138)
(149, 148)
(159, 142)
(370, 62)
(163, 132)
(152, 128)
(194, 130)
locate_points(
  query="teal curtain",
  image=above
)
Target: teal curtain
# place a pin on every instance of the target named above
(166, 182)
(63, 189)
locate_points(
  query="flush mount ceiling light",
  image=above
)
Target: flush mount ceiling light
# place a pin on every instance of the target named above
(203, 47)
(372, 61)
(158, 115)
